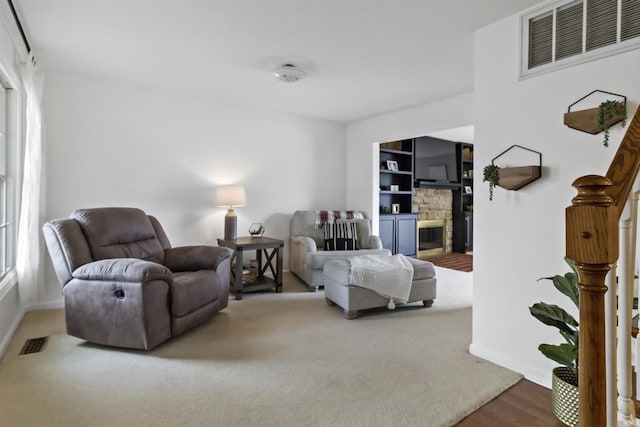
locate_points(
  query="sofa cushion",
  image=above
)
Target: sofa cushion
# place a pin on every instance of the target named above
(340, 236)
(303, 224)
(363, 226)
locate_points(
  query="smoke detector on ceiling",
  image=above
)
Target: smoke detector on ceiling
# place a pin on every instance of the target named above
(288, 73)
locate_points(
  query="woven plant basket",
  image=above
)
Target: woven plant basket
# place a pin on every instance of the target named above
(564, 395)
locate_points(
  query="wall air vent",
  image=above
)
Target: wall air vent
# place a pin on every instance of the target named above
(570, 32)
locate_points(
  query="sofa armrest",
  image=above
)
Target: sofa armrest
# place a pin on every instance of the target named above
(193, 258)
(123, 270)
(304, 243)
(300, 246)
(375, 242)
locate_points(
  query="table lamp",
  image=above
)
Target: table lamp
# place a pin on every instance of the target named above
(230, 195)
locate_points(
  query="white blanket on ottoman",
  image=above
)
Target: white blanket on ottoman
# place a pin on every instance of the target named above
(387, 275)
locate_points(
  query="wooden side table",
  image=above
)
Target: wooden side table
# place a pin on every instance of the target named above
(270, 248)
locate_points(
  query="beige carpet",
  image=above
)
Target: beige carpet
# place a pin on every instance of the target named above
(269, 360)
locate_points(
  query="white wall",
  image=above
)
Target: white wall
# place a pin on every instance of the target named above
(364, 136)
(112, 144)
(519, 236)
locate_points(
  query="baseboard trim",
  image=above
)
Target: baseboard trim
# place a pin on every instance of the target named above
(6, 340)
(10, 332)
(540, 377)
(47, 305)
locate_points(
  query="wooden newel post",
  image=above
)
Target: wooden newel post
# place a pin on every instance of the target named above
(592, 242)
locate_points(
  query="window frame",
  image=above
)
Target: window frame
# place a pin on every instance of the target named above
(586, 56)
(13, 134)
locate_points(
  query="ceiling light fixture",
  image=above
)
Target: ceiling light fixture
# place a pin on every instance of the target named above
(288, 73)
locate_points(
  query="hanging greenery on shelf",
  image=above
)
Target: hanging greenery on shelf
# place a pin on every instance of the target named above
(606, 111)
(490, 174)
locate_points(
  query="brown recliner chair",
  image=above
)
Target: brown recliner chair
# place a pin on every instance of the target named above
(123, 283)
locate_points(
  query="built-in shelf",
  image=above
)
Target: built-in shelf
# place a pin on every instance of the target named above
(396, 171)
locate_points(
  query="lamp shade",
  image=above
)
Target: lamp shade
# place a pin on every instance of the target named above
(230, 195)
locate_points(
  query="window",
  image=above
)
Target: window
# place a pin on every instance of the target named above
(7, 228)
(570, 32)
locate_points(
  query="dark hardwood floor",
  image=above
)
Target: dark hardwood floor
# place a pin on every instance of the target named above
(526, 404)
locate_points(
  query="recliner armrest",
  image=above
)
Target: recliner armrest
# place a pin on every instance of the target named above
(123, 270)
(193, 258)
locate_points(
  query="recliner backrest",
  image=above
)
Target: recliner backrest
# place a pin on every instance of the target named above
(119, 233)
(103, 233)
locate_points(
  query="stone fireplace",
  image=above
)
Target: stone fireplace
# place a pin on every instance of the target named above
(432, 204)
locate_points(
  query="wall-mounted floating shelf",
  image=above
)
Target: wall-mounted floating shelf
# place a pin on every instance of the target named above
(587, 120)
(514, 178)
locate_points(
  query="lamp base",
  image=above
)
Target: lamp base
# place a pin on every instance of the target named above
(230, 225)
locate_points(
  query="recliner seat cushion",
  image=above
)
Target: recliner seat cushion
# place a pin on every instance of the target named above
(193, 290)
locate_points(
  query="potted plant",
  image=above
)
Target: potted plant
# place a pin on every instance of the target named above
(564, 387)
(606, 112)
(490, 174)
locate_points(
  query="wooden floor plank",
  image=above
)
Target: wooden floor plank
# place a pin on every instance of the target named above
(525, 404)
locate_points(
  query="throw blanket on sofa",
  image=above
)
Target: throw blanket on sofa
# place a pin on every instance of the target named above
(387, 275)
(324, 217)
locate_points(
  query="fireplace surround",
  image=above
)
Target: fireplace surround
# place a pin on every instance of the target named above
(431, 237)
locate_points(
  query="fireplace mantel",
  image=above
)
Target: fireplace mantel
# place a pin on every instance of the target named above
(440, 185)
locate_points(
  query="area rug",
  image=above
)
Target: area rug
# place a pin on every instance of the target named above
(454, 261)
(270, 359)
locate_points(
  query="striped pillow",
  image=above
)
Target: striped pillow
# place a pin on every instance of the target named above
(340, 236)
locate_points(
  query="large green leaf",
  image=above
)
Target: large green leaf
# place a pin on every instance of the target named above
(567, 284)
(571, 338)
(553, 315)
(564, 354)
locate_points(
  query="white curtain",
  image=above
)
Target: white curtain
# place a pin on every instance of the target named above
(29, 252)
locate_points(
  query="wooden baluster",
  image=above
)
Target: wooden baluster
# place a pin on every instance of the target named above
(626, 411)
(611, 356)
(592, 242)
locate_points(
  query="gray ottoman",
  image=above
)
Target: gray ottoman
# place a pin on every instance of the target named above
(338, 290)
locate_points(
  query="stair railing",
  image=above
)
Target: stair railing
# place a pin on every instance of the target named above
(592, 238)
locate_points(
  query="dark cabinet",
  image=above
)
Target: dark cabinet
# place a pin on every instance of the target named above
(469, 240)
(463, 201)
(398, 233)
(465, 169)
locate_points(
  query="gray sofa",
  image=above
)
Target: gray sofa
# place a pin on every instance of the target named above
(125, 286)
(307, 254)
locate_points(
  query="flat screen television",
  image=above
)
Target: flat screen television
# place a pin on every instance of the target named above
(435, 160)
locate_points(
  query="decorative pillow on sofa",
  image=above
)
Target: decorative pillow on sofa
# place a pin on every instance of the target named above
(363, 226)
(340, 236)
